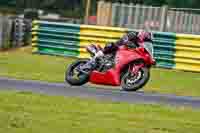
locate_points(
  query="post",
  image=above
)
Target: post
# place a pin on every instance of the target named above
(144, 11)
(109, 11)
(130, 16)
(176, 21)
(181, 22)
(190, 23)
(164, 18)
(186, 21)
(114, 14)
(198, 20)
(99, 12)
(87, 11)
(195, 28)
(122, 15)
(136, 17)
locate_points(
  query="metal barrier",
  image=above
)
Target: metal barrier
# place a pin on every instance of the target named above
(164, 49)
(56, 38)
(187, 56)
(98, 35)
(171, 50)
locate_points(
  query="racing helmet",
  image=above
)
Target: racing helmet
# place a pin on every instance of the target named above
(131, 35)
(145, 36)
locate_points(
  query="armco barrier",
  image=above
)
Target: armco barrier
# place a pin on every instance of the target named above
(171, 50)
(97, 35)
(187, 56)
(56, 38)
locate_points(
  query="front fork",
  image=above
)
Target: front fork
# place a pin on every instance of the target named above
(91, 64)
(88, 66)
(134, 69)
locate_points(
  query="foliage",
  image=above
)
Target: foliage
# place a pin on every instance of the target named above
(69, 8)
(75, 8)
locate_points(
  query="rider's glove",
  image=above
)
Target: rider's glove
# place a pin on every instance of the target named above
(99, 53)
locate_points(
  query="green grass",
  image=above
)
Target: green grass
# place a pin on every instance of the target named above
(22, 64)
(24, 112)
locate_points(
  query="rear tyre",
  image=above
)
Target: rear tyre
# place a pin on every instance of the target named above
(81, 78)
(130, 82)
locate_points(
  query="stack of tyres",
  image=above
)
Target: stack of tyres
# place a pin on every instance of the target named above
(22, 32)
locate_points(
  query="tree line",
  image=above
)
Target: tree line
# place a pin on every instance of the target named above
(77, 7)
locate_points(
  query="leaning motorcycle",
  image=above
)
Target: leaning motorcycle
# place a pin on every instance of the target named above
(128, 67)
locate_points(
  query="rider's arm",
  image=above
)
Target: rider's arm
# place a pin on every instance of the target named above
(109, 48)
(131, 36)
(112, 47)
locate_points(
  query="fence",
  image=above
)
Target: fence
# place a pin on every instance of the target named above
(171, 50)
(140, 17)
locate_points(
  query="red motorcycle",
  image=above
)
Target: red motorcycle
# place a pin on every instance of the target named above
(129, 67)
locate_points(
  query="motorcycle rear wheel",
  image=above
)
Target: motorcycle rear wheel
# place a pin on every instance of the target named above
(130, 82)
(81, 78)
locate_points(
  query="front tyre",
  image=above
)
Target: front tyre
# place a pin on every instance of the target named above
(75, 77)
(131, 82)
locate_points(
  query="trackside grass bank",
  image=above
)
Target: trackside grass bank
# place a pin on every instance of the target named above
(21, 64)
(24, 112)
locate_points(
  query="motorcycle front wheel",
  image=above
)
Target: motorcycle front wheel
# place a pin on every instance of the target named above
(75, 77)
(131, 82)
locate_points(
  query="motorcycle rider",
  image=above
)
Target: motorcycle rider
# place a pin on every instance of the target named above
(132, 38)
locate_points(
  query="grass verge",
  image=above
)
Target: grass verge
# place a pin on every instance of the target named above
(24, 112)
(22, 64)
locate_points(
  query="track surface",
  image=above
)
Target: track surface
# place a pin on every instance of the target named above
(99, 93)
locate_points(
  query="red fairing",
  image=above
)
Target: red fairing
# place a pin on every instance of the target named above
(108, 78)
(123, 57)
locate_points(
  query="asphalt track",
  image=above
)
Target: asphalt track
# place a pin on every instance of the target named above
(100, 93)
